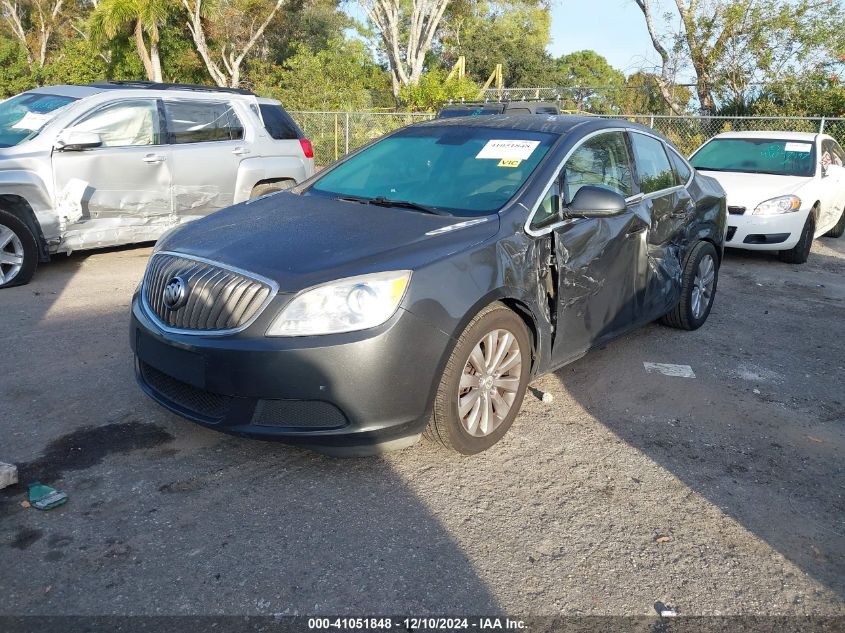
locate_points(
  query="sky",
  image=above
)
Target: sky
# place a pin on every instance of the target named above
(613, 28)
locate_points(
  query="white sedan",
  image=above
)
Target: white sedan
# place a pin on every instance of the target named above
(784, 189)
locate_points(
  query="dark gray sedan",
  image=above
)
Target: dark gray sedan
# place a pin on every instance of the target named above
(419, 284)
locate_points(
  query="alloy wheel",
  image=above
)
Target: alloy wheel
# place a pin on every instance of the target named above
(11, 254)
(489, 382)
(702, 286)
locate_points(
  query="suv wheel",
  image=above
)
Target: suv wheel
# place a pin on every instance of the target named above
(270, 187)
(18, 251)
(484, 382)
(698, 288)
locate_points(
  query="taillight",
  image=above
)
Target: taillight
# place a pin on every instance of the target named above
(307, 148)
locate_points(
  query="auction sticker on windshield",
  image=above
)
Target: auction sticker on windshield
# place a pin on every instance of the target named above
(803, 148)
(508, 149)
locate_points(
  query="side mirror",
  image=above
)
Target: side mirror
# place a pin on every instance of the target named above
(830, 169)
(595, 202)
(77, 140)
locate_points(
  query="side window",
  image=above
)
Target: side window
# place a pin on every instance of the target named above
(124, 124)
(202, 121)
(682, 172)
(603, 161)
(652, 164)
(549, 210)
(832, 154)
(277, 123)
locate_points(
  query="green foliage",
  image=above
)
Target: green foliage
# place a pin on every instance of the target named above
(434, 89)
(339, 77)
(76, 61)
(513, 33)
(15, 75)
(597, 86)
(642, 96)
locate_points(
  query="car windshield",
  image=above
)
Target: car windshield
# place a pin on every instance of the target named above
(456, 170)
(23, 116)
(757, 156)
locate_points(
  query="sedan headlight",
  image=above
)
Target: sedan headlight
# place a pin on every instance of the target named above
(346, 305)
(781, 204)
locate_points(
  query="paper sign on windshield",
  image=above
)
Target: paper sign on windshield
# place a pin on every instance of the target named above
(508, 150)
(803, 148)
(32, 121)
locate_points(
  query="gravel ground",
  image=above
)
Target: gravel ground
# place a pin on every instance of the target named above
(719, 494)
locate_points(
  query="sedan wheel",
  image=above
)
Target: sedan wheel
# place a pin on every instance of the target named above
(703, 285)
(484, 382)
(699, 279)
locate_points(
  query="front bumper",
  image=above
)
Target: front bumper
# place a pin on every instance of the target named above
(765, 232)
(361, 390)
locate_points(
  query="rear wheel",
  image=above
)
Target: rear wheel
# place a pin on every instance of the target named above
(266, 188)
(18, 251)
(698, 288)
(799, 253)
(484, 382)
(839, 229)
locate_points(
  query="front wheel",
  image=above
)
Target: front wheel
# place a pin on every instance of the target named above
(698, 288)
(799, 253)
(484, 382)
(18, 251)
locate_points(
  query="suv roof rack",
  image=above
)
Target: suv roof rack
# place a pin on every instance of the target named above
(154, 85)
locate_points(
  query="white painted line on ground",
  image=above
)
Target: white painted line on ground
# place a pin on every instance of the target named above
(8, 475)
(667, 369)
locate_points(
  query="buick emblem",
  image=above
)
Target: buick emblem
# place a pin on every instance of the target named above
(175, 293)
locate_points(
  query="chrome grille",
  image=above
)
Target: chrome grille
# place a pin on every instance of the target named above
(219, 299)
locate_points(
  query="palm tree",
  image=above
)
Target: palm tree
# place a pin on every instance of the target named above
(113, 17)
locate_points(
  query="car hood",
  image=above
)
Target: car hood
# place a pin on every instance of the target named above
(300, 241)
(749, 190)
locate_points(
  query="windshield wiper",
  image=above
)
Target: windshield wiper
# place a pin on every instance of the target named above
(404, 204)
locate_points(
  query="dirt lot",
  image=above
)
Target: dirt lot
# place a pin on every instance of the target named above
(721, 493)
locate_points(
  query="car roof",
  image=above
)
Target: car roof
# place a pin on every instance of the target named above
(559, 124)
(771, 134)
(79, 92)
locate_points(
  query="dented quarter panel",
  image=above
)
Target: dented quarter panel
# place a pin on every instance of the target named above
(254, 170)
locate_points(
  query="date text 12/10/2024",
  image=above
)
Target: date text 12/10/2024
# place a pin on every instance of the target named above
(415, 624)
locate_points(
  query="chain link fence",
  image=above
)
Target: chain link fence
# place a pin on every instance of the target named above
(335, 134)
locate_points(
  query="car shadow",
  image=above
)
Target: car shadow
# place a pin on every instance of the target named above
(167, 518)
(758, 431)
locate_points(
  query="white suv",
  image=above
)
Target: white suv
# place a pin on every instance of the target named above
(118, 163)
(784, 188)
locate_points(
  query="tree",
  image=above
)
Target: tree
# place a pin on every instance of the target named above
(595, 84)
(406, 38)
(112, 18)
(513, 33)
(435, 88)
(642, 95)
(236, 26)
(731, 44)
(34, 24)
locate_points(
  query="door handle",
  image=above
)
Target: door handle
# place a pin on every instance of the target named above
(240, 151)
(152, 159)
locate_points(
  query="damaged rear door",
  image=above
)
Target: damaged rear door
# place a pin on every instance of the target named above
(119, 192)
(598, 264)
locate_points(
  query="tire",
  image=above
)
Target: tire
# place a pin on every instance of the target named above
(270, 187)
(445, 425)
(18, 251)
(799, 253)
(839, 229)
(699, 279)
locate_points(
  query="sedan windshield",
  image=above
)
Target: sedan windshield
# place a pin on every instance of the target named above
(757, 156)
(466, 171)
(23, 116)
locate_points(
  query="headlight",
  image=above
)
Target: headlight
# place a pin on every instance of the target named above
(346, 305)
(781, 204)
